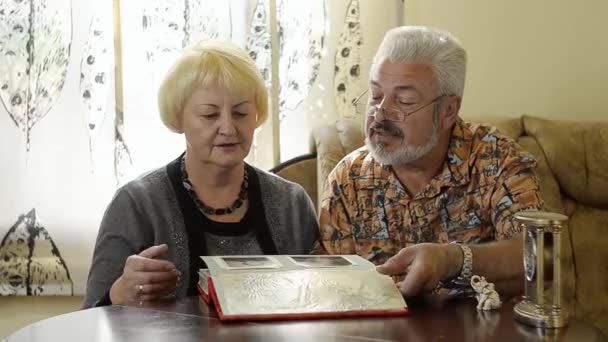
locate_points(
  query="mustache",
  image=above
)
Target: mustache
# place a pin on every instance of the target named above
(385, 128)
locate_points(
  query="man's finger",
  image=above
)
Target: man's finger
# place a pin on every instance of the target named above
(398, 264)
(414, 282)
(154, 251)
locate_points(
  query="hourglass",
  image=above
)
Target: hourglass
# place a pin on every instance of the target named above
(541, 305)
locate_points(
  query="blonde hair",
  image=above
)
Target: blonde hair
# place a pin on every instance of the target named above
(209, 63)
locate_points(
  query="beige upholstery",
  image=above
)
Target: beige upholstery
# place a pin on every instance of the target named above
(301, 170)
(573, 171)
(577, 155)
(333, 142)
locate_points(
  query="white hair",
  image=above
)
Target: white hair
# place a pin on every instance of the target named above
(425, 44)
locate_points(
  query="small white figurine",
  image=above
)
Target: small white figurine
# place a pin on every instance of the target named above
(487, 297)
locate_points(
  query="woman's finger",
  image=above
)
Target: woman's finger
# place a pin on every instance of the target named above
(148, 289)
(153, 277)
(159, 292)
(143, 264)
(154, 251)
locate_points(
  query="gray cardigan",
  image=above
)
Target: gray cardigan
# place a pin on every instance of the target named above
(145, 212)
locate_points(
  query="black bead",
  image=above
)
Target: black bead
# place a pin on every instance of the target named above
(210, 210)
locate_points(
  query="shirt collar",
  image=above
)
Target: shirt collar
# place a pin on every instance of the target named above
(455, 170)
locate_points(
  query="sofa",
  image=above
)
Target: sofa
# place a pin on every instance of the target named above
(573, 171)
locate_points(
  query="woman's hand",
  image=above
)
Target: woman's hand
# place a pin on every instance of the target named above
(145, 278)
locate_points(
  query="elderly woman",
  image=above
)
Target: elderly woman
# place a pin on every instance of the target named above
(208, 201)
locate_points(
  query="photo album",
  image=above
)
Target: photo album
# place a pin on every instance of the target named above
(267, 287)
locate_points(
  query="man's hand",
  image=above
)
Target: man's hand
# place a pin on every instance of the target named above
(423, 265)
(145, 278)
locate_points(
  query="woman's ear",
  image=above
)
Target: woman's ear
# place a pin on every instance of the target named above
(449, 111)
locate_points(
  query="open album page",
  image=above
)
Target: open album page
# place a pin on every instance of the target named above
(299, 285)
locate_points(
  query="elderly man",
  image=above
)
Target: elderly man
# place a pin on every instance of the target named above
(425, 178)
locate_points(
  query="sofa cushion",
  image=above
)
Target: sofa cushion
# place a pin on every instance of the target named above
(511, 127)
(351, 134)
(301, 170)
(329, 150)
(331, 143)
(577, 154)
(549, 187)
(589, 241)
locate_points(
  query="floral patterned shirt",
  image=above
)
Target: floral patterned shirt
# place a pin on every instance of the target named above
(485, 179)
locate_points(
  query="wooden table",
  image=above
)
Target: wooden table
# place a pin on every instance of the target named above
(189, 319)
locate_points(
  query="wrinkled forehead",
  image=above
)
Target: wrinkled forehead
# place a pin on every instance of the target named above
(388, 76)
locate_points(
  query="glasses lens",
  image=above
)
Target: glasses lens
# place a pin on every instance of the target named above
(362, 108)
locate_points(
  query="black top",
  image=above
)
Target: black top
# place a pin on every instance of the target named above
(197, 224)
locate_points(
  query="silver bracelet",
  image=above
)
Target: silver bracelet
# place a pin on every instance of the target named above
(463, 279)
(467, 262)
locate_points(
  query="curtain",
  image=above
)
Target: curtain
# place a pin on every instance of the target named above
(78, 83)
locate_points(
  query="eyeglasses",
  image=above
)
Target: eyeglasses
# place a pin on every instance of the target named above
(362, 106)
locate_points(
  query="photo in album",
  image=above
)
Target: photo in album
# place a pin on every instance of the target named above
(245, 262)
(321, 260)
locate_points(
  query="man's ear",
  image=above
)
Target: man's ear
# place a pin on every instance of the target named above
(449, 111)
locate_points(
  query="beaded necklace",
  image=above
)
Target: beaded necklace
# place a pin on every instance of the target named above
(238, 202)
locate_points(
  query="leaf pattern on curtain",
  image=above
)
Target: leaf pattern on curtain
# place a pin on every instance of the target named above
(347, 75)
(259, 47)
(123, 163)
(170, 25)
(35, 39)
(30, 261)
(301, 41)
(206, 19)
(97, 72)
(163, 24)
(258, 41)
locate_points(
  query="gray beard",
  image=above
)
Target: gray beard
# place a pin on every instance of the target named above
(404, 154)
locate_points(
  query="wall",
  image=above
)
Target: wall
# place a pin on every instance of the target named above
(547, 58)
